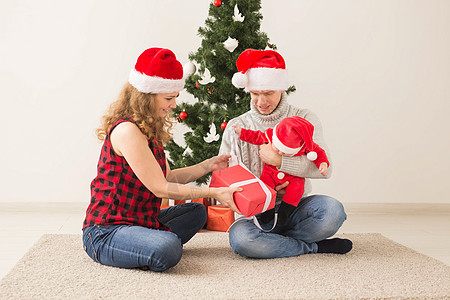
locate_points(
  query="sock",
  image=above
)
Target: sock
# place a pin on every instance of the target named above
(336, 245)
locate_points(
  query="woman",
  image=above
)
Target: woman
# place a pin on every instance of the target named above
(124, 226)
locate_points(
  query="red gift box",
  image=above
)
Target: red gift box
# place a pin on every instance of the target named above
(256, 196)
(220, 218)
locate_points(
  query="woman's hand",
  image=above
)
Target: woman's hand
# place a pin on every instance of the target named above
(217, 162)
(225, 196)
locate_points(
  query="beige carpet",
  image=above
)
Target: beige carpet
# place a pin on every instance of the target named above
(57, 267)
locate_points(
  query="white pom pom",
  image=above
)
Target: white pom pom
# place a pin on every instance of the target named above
(312, 156)
(239, 80)
(189, 68)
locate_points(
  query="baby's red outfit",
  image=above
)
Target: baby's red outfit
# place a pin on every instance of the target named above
(270, 174)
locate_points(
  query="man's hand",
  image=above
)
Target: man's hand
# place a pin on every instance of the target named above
(281, 189)
(323, 169)
(269, 156)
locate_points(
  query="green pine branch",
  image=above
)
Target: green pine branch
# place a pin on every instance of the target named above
(219, 101)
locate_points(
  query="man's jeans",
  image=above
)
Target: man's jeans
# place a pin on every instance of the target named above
(128, 246)
(315, 218)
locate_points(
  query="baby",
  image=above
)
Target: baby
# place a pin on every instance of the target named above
(290, 137)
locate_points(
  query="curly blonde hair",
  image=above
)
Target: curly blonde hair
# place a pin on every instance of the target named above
(141, 108)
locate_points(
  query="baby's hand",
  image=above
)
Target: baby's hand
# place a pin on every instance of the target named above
(237, 129)
(323, 169)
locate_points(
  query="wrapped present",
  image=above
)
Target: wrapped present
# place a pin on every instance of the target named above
(256, 196)
(176, 202)
(165, 203)
(205, 201)
(220, 218)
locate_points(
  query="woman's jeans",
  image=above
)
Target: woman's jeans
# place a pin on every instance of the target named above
(128, 246)
(315, 218)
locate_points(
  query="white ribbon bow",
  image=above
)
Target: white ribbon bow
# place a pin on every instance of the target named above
(234, 161)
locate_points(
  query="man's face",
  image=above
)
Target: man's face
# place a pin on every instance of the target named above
(266, 101)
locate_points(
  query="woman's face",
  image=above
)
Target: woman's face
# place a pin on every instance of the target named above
(165, 102)
(266, 101)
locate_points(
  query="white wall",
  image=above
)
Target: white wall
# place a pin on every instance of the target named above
(376, 72)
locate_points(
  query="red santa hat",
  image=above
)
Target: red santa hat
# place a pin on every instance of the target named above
(261, 70)
(292, 134)
(157, 70)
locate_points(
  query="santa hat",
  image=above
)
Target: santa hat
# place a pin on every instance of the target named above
(292, 134)
(261, 70)
(157, 70)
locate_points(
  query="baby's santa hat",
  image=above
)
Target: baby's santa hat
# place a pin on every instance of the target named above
(261, 70)
(292, 134)
(157, 70)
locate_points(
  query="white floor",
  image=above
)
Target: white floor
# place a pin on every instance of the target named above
(423, 227)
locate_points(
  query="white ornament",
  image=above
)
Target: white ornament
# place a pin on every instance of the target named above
(188, 151)
(207, 78)
(231, 44)
(237, 15)
(189, 68)
(212, 136)
(312, 156)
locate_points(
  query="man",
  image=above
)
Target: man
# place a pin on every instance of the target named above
(317, 217)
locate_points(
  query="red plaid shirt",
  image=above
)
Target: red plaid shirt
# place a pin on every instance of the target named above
(118, 196)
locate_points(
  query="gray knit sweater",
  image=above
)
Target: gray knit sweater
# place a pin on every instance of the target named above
(249, 154)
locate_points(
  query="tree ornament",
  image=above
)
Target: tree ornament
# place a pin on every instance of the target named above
(189, 68)
(223, 125)
(237, 15)
(210, 90)
(217, 3)
(212, 136)
(188, 151)
(183, 115)
(197, 85)
(207, 78)
(230, 44)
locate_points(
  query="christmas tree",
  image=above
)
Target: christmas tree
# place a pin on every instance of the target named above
(231, 27)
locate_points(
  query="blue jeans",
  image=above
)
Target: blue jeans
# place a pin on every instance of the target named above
(315, 218)
(128, 246)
